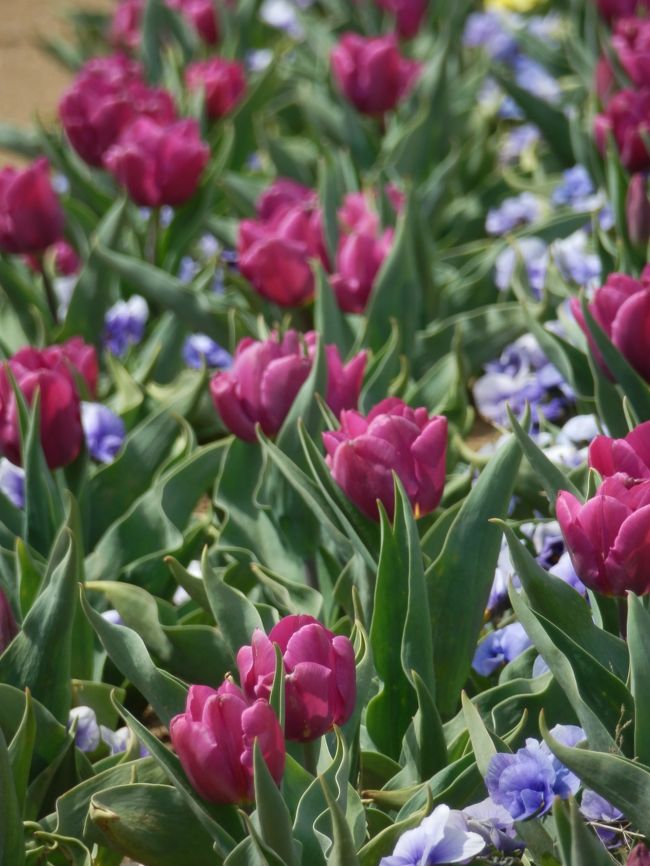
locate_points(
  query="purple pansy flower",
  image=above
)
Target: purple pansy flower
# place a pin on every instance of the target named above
(199, 349)
(124, 325)
(12, 482)
(500, 647)
(104, 431)
(442, 837)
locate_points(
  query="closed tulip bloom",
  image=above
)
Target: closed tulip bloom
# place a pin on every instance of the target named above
(358, 260)
(275, 250)
(79, 356)
(159, 164)
(613, 9)
(371, 72)
(607, 537)
(281, 196)
(267, 375)
(124, 30)
(626, 117)
(31, 217)
(622, 309)
(214, 739)
(364, 453)
(631, 43)
(630, 455)
(223, 82)
(8, 626)
(320, 674)
(106, 96)
(637, 209)
(60, 418)
(409, 15)
(202, 14)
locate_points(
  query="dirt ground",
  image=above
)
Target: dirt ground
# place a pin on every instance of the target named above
(31, 81)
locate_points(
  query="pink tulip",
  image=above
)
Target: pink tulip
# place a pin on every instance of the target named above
(630, 455)
(79, 357)
(607, 537)
(267, 375)
(358, 260)
(106, 96)
(364, 453)
(31, 217)
(631, 43)
(371, 73)
(223, 81)
(409, 15)
(214, 739)
(320, 674)
(8, 626)
(276, 248)
(626, 117)
(622, 309)
(638, 856)
(159, 164)
(357, 214)
(281, 196)
(202, 15)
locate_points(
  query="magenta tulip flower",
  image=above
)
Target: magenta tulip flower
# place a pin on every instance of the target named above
(159, 164)
(626, 117)
(202, 14)
(364, 453)
(607, 537)
(266, 377)
(630, 455)
(371, 72)
(613, 9)
(125, 30)
(8, 625)
(637, 209)
(358, 260)
(409, 15)
(622, 309)
(223, 82)
(320, 681)
(31, 216)
(275, 250)
(214, 739)
(106, 96)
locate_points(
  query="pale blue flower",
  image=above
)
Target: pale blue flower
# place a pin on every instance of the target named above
(199, 349)
(533, 253)
(87, 734)
(500, 647)
(441, 838)
(12, 482)
(124, 324)
(514, 212)
(495, 824)
(104, 431)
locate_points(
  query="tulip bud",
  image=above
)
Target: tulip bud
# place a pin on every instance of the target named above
(622, 309)
(223, 82)
(214, 740)
(8, 626)
(202, 14)
(53, 373)
(358, 260)
(607, 537)
(31, 217)
(638, 856)
(158, 164)
(364, 453)
(637, 209)
(320, 674)
(371, 73)
(626, 117)
(409, 15)
(630, 455)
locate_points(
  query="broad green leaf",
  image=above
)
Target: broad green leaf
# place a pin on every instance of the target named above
(272, 813)
(12, 846)
(21, 750)
(638, 642)
(39, 657)
(129, 655)
(468, 559)
(151, 823)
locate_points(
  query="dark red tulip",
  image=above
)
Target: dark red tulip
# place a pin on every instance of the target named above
(159, 164)
(31, 217)
(409, 15)
(626, 117)
(371, 72)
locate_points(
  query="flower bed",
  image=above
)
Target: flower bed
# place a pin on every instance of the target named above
(325, 439)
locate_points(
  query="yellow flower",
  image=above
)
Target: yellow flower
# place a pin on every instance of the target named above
(513, 5)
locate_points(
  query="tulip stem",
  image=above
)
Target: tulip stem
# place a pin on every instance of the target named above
(151, 242)
(310, 756)
(49, 292)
